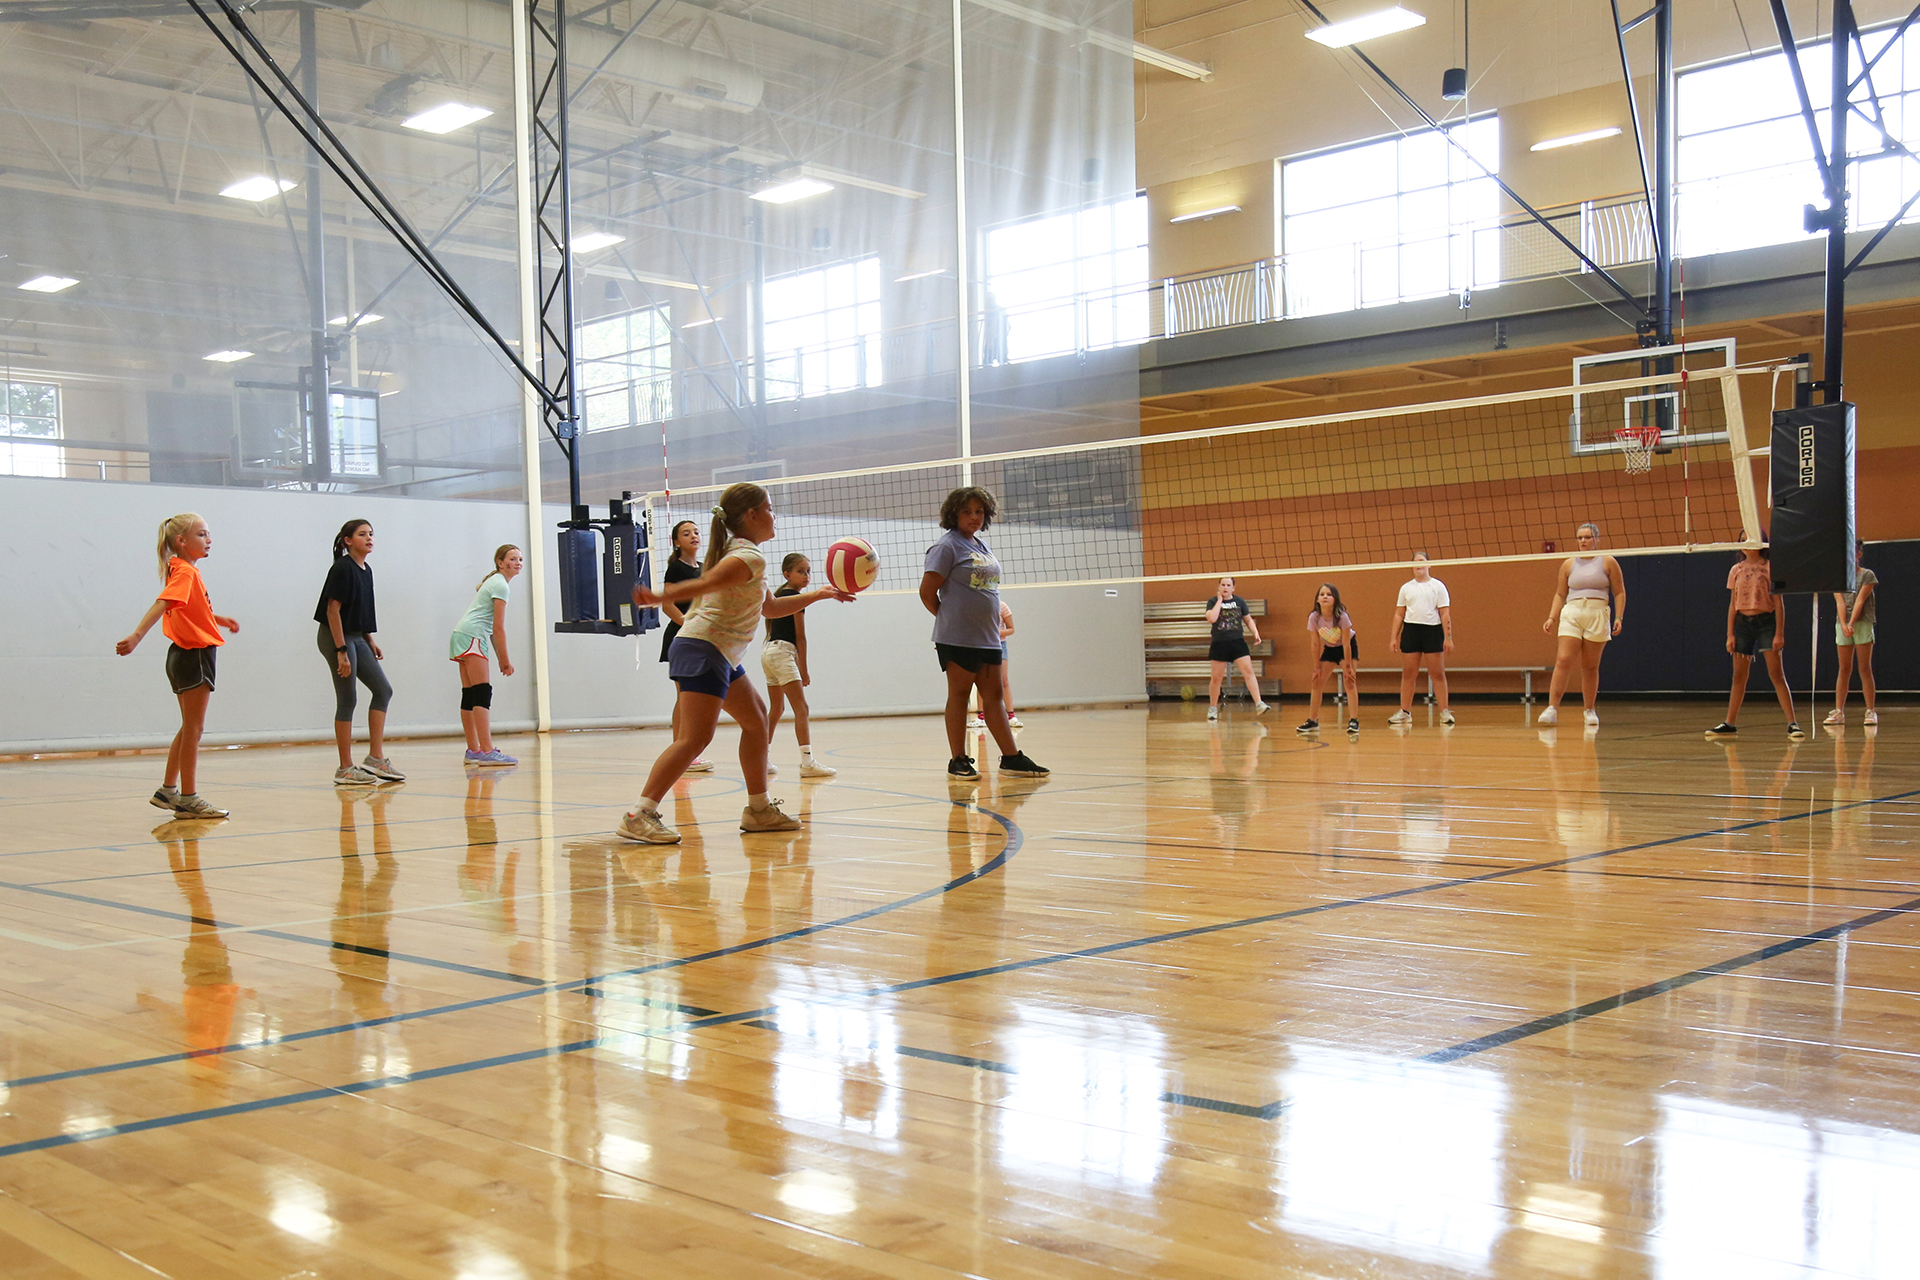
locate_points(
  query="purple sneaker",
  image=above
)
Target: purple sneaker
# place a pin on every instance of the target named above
(497, 758)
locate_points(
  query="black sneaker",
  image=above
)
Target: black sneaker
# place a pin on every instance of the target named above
(1353, 725)
(1723, 730)
(1020, 764)
(1311, 726)
(1795, 732)
(962, 767)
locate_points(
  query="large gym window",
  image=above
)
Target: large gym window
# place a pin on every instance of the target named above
(1391, 221)
(1065, 283)
(1745, 169)
(823, 330)
(626, 370)
(31, 409)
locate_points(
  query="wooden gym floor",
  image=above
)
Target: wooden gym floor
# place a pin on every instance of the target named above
(1211, 1001)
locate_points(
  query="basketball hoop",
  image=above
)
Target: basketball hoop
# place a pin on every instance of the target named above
(1637, 444)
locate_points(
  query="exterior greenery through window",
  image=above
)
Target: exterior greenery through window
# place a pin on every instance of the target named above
(626, 370)
(1390, 221)
(31, 409)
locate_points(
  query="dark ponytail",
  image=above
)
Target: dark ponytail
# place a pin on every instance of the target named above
(347, 530)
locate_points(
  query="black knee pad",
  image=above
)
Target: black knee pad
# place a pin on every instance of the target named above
(476, 696)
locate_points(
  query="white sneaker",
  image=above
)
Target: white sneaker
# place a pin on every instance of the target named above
(1213, 713)
(1835, 716)
(767, 819)
(1873, 717)
(354, 776)
(1446, 717)
(1261, 708)
(773, 770)
(700, 766)
(1400, 717)
(810, 768)
(976, 722)
(1013, 722)
(1549, 717)
(1591, 716)
(647, 827)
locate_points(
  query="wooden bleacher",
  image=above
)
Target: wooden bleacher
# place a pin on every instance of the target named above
(1177, 635)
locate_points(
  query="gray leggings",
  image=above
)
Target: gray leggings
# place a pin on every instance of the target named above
(365, 666)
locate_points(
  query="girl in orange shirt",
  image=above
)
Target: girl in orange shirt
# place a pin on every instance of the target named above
(194, 628)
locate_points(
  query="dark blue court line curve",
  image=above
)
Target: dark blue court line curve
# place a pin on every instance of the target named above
(1622, 999)
(1014, 842)
(1014, 837)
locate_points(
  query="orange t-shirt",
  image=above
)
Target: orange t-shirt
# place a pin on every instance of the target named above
(1751, 582)
(189, 617)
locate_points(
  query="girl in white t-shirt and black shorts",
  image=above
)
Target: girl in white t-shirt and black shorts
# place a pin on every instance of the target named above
(1422, 628)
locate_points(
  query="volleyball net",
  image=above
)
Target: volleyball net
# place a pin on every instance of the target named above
(1658, 460)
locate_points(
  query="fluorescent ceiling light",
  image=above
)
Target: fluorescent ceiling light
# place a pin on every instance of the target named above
(792, 189)
(446, 117)
(227, 357)
(369, 318)
(48, 284)
(257, 188)
(696, 324)
(1572, 139)
(1206, 213)
(1381, 22)
(595, 240)
(920, 275)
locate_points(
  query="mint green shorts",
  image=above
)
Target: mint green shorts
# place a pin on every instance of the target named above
(1862, 634)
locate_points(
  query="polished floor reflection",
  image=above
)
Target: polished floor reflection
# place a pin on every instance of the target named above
(1213, 1000)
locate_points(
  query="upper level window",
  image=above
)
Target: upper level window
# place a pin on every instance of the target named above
(823, 330)
(1066, 282)
(626, 370)
(1746, 168)
(1407, 217)
(31, 409)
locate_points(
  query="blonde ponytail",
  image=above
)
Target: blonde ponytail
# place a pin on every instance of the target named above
(734, 505)
(174, 527)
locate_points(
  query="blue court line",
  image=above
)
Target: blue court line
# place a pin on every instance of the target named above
(1014, 842)
(1607, 1004)
(1015, 838)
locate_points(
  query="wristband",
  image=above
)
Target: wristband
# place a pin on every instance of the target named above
(339, 648)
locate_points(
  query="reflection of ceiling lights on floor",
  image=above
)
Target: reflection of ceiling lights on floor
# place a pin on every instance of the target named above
(793, 189)
(1366, 26)
(48, 284)
(227, 357)
(257, 188)
(362, 322)
(446, 117)
(595, 240)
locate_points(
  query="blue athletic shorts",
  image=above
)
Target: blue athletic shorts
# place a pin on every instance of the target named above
(698, 667)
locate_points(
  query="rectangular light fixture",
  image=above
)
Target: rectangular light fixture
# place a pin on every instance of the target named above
(446, 117)
(1381, 22)
(1206, 213)
(593, 240)
(920, 275)
(367, 319)
(701, 324)
(227, 357)
(48, 284)
(257, 188)
(1574, 139)
(792, 189)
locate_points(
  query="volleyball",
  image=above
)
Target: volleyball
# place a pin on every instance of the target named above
(851, 564)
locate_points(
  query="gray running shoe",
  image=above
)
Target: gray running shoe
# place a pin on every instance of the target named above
(767, 819)
(164, 797)
(354, 776)
(382, 768)
(192, 806)
(647, 827)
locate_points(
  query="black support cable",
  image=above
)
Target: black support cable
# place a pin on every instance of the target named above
(371, 197)
(1626, 294)
(1639, 140)
(1784, 27)
(1868, 64)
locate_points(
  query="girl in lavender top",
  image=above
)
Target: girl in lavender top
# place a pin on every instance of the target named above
(1329, 617)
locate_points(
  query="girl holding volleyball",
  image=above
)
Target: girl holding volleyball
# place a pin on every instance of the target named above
(1332, 631)
(783, 660)
(961, 589)
(730, 599)
(194, 628)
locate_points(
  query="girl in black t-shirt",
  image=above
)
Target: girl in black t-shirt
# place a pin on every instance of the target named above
(681, 567)
(347, 623)
(1232, 622)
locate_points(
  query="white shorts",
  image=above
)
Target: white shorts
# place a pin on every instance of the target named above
(780, 663)
(1586, 619)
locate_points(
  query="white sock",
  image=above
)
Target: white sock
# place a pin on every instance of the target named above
(649, 805)
(757, 800)
(806, 754)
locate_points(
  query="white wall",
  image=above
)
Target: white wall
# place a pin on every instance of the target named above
(79, 568)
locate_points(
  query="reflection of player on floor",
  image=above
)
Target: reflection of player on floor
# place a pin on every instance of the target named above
(1853, 635)
(1422, 627)
(1232, 622)
(1331, 633)
(1756, 623)
(732, 598)
(783, 660)
(1579, 618)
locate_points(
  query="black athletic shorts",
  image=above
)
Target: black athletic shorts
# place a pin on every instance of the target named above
(967, 659)
(1331, 652)
(1752, 633)
(1423, 637)
(1228, 649)
(188, 669)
